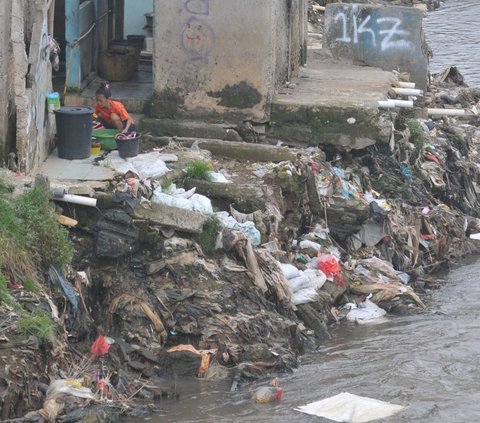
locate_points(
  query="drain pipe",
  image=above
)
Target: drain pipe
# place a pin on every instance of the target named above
(60, 194)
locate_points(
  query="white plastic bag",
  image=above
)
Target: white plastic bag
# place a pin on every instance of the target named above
(289, 270)
(367, 312)
(201, 204)
(299, 282)
(304, 296)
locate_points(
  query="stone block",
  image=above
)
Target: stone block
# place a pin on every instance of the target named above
(390, 38)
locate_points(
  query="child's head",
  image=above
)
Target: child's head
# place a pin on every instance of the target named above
(103, 94)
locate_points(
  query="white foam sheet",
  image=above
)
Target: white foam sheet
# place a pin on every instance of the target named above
(350, 408)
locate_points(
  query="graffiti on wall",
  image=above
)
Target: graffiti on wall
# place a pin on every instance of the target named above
(384, 33)
(197, 38)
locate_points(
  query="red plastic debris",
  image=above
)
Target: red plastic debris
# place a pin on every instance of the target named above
(330, 265)
(100, 347)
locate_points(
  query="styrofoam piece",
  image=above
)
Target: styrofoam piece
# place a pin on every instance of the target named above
(351, 408)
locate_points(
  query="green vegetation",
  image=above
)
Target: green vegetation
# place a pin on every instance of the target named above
(39, 324)
(417, 135)
(167, 184)
(30, 286)
(51, 241)
(199, 170)
(5, 297)
(208, 237)
(31, 240)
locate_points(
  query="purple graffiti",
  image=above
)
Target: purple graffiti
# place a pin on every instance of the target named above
(197, 7)
(197, 37)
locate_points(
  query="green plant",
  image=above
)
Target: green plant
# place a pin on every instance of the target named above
(30, 285)
(416, 133)
(208, 237)
(166, 185)
(5, 297)
(39, 324)
(47, 238)
(199, 170)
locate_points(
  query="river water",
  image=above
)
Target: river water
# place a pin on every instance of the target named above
(453, 33)
(429, 363)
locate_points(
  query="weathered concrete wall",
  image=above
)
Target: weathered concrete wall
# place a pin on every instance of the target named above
(33, 81)
(386, 37)
(223, 57)
(5, 13)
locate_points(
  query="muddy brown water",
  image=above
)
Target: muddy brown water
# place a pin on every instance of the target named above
(453, 33)
(429, 363)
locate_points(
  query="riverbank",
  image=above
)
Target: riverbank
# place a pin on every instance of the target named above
(170, 294)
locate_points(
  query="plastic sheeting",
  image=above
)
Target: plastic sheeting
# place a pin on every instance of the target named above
(248, 228)
(351, 408)
(148, 165)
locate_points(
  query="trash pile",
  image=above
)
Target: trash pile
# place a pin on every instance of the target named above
(232, 271)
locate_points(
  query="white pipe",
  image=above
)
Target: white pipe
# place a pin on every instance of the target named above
(78, 199)
(446, 112)
(402, 84)
(407, 91)
(389, 104)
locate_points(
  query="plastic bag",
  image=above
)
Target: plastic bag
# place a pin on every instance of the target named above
(100, 347)
(366, 312)
(310, 244)
(304, 296)
(289, 270)
(299, 282)
(330, 266)
(201, 204)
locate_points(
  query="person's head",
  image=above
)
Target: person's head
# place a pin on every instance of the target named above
(103, 94)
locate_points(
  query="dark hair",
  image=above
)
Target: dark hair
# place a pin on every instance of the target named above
(104, 89)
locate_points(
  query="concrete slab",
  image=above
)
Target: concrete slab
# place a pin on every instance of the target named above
(78, 170)
(332, 102)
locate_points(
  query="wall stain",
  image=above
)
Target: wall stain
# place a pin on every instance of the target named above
(240, 96)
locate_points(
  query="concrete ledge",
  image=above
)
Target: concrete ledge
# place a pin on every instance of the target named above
(189, 128)
(332, 103)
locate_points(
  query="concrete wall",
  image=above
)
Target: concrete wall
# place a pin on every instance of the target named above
(135, 16)
(33, 81)
(224, 57)
(386, 37)
(6, 94)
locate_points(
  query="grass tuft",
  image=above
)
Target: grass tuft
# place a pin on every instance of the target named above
(39, 324)
(416, 133)
(208, 237)
(199, 170)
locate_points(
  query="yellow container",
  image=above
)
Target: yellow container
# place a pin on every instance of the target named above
(95, 149)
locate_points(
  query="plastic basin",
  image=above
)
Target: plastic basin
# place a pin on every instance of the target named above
(106, 138)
